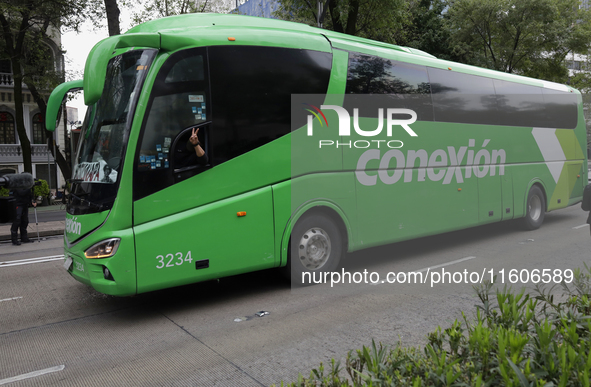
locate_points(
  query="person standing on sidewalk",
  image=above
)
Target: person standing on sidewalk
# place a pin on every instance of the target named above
(23, 198)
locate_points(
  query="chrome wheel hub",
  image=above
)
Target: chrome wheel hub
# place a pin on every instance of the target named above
(314, 248)
(535, 208)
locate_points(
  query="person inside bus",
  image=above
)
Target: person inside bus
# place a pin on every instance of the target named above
(193, 154)
(196, 145)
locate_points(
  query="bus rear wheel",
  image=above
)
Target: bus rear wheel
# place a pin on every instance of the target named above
(535, 210)
(316, 247)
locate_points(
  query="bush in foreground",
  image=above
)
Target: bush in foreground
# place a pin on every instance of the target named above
(515, 340)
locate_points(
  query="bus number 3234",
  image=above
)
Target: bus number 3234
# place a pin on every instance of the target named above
(172, 260)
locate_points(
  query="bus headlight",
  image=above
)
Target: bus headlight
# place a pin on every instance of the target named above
(103, 249)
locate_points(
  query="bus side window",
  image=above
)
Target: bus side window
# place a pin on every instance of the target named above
(251, 94)
(391, 84)
(179, 100)
(184, 160)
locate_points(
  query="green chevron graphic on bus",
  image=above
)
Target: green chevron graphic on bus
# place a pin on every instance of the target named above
(559, 150)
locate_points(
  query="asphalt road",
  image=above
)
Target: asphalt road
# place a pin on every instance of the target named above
(45, 214)
(208, 334)
(52, 215)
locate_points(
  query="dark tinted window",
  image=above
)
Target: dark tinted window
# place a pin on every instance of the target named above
(251, 94)
(520, 105)
(187, 69)
(392, 84)
(561, 108)
(463, 98)
(179, 100)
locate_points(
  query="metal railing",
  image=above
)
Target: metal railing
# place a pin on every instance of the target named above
(6, 79)
(13, 152)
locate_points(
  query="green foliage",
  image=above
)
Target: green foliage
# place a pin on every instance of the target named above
(426, 29)
(528, 37)
(514, 340)
(144, 11)
(41, 190)
(28, 32)
(382, 20)
(4, 191)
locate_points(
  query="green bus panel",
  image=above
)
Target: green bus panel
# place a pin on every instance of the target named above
(121, 265)
(234, 177)
(399, 211)
(208, 242)
(281, 219)
(508, 202)
(490, 198)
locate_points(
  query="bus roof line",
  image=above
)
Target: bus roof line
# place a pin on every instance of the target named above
(197, 21)
(95, 70)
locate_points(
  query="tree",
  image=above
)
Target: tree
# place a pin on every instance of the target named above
(154, 9)
(426, 29)
(99, 11)
(529, 37)
(25, 29)
(112, 11)
(382, 20)
(581, 80)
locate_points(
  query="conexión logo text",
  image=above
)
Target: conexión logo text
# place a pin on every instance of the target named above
(441, 164)
(72, 226)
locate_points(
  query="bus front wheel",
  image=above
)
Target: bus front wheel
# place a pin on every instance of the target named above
(535, 210)
(316, 247)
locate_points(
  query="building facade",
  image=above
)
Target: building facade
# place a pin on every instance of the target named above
(11, 159)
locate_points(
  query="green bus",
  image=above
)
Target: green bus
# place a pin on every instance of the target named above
(317, 143)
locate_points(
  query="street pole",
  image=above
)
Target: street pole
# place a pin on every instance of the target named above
(319, 14)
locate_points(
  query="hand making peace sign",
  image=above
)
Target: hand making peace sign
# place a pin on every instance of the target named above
(194, 139)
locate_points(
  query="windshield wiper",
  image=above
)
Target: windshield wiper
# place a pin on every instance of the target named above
(120, 120)
(82, 200)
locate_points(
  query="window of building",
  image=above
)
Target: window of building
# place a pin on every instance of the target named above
(5, 66)
(41, 172)
(7, 129)
(8, 169)
(573, 64)
(39, 133)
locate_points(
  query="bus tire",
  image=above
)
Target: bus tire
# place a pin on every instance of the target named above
(535, 209)
(316, 246)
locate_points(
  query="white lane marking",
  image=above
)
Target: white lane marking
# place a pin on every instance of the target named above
(32, 374)
(31, 260)
(446, 264)
(28, 263)
(581, 226)
(10, 299)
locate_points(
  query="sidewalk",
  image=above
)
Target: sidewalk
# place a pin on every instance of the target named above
(45, 228)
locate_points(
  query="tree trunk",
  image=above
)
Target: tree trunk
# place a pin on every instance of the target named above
(352, 16)
(19, 120)
(62, 163)
(112, 17)
(335, 16)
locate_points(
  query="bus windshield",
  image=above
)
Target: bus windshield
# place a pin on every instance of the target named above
(105, 132)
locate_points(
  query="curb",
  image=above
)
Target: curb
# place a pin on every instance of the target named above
(33, 235)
